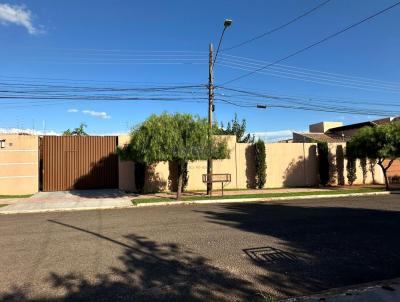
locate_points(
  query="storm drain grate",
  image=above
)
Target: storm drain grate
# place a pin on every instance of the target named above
(269, 254)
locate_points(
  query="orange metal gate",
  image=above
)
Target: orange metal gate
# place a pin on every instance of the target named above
(79, 162)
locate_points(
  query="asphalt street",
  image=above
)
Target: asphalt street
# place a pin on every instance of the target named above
(223, 252)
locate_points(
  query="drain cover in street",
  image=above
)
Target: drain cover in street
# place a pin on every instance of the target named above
(269, 254)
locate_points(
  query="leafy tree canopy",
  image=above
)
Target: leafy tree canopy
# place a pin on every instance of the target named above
(173, 137)
(237, 128)
(79, 131)
(380, 143)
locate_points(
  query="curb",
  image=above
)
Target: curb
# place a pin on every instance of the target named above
(190, 202)
(65, 210)
(258, 199)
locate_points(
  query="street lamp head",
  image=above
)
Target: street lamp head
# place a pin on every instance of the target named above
(227, 22)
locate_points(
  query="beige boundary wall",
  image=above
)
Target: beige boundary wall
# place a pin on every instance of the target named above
(338, 172)
(288, 165)
(19, 164)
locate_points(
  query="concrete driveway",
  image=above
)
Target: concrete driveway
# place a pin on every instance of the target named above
(224, 252)
(68, 200)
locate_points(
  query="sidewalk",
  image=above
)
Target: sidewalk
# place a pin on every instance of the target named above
(109, 199)
(67, 201)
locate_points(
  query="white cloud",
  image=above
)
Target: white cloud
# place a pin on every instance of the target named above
(98, 114)
(28, 131)
(18, 15)
(72, 110)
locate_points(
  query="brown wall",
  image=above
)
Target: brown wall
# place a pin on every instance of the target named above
(394, 169)
(19, 164)
(79, 162)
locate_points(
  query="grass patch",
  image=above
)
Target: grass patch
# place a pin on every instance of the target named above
(15, 196)
(261, 195)
(3, 205)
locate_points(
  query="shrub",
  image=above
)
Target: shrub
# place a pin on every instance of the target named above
(323, 163)
(351, 170)
(364, 168)
(261, 166)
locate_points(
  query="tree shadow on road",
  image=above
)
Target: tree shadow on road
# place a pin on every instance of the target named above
(318, 247)
(150, 271)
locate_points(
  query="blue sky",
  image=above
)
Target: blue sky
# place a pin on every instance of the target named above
(91, 40)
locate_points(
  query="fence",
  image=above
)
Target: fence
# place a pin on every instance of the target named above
(91, 163)
(79, 162)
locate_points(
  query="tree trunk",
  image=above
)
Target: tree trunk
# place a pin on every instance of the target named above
(380, 163)
(180, 181)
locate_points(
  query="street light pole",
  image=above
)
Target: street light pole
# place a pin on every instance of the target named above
(211, 63)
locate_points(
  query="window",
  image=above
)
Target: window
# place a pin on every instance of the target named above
(2, 143)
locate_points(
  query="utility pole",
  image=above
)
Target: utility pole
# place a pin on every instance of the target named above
(210, 115)
(211, 64)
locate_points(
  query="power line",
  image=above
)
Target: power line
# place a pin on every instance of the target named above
(306, 108)
(306, 71)
(314, 79)
(99, 50)
(309, 103)
(309, 100)
(278, 27)
(314, 44)
(56, 80)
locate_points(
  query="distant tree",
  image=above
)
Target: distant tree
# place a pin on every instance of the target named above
(80, 131)
(177, 138)
(323, 163)
(236, 128)
(380, 143)
(67, 132)
(261, 166)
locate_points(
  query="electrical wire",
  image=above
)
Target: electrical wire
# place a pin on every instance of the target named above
(251, 63)
(313, 79)
(277, 28)
(314, 44)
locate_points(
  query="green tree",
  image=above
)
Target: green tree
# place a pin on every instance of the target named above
(177, 138)
(323, 163)
(351, 171)
(351, 163)
(261, 166)
(79, 131)
(237, 128)
(380, 143)
(67, 132)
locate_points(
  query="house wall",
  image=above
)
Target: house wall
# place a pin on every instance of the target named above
(394, 169)
(291, 165)
(126, 169)
(322, 127)
(288, 165)
(338, 171)
(19, 164)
